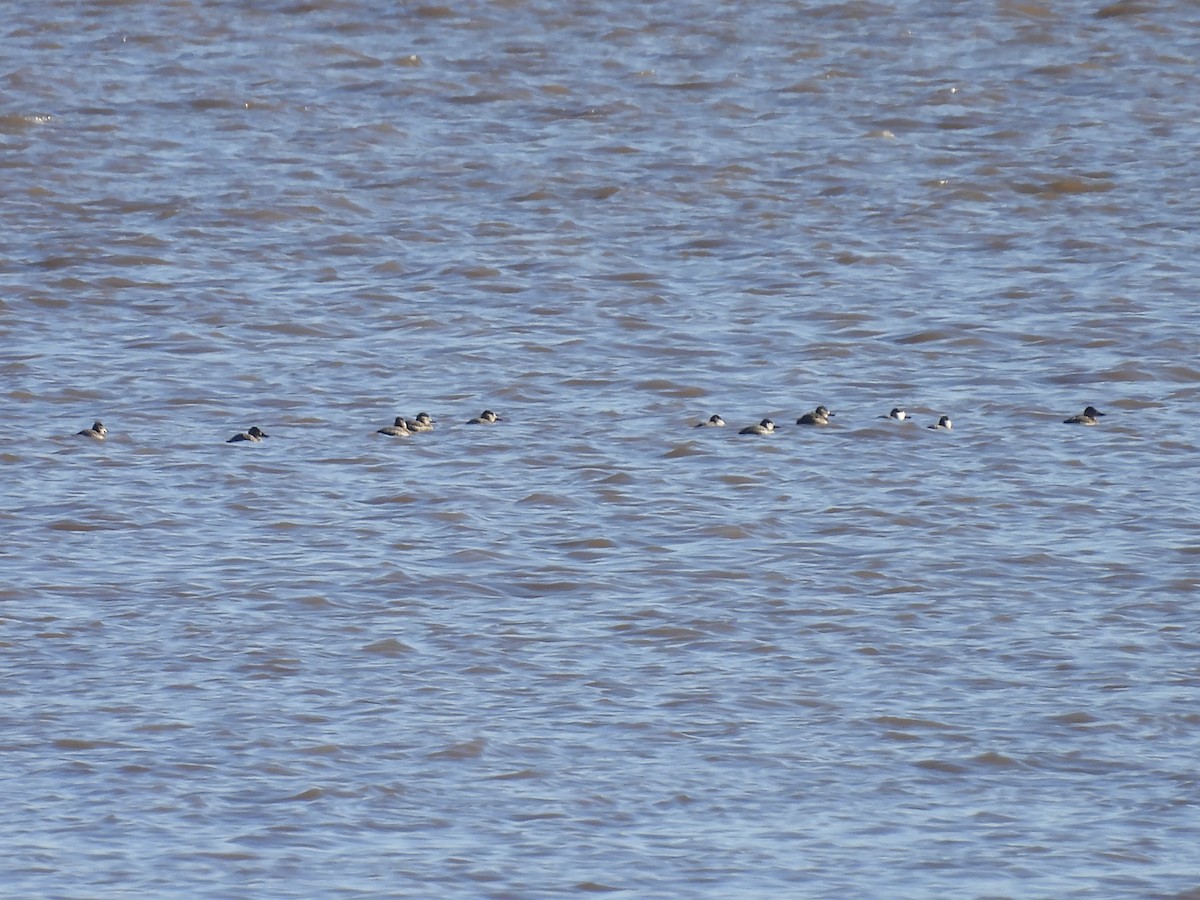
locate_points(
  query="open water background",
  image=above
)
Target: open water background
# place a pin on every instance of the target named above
(592, 650)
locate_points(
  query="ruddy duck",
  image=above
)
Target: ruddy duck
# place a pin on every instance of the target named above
(898, 414)
(396, 429)
(819, 416)
(96, 432)
(254, 434)
(1089, 416)
(423, 422)
(766, 426)
(487, 417)
(943, 424)
(713, 422)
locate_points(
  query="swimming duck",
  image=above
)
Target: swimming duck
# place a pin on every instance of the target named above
(423, 422)
(396, 429)
(714, 421)
(96, 432)
(943, 424)
(1089, 416)
(766, 426)
(254, 434)
(487, 417)
(898, 414)
(819, 416)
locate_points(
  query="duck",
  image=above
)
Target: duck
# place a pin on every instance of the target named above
(898, 414)
(766, 426)
(97, 432)
(943, 424)
(487, 417)
(423, 422)
(819, 416)
(713, 421)
(396, 429)
(253, 434)
(1089, 416)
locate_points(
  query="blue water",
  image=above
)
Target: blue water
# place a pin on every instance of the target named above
(592, 649)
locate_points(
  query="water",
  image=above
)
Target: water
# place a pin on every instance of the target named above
(592, 649)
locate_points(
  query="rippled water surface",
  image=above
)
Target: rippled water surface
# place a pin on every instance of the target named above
(591, 648)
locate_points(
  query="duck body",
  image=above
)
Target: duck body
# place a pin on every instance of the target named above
(766, 426)
(397, 429)
(943, 424)
(713, 421)
(1090, 416)
(254, 434)
(898, 414)
(97, 432)
(487, 417)
(423, 422)
(819, 416)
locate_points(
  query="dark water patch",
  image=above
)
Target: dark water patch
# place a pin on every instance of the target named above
(387, 647)
(471, 749)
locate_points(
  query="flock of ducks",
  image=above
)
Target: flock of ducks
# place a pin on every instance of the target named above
(401, 427)
(821, 415)
(423, 422)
